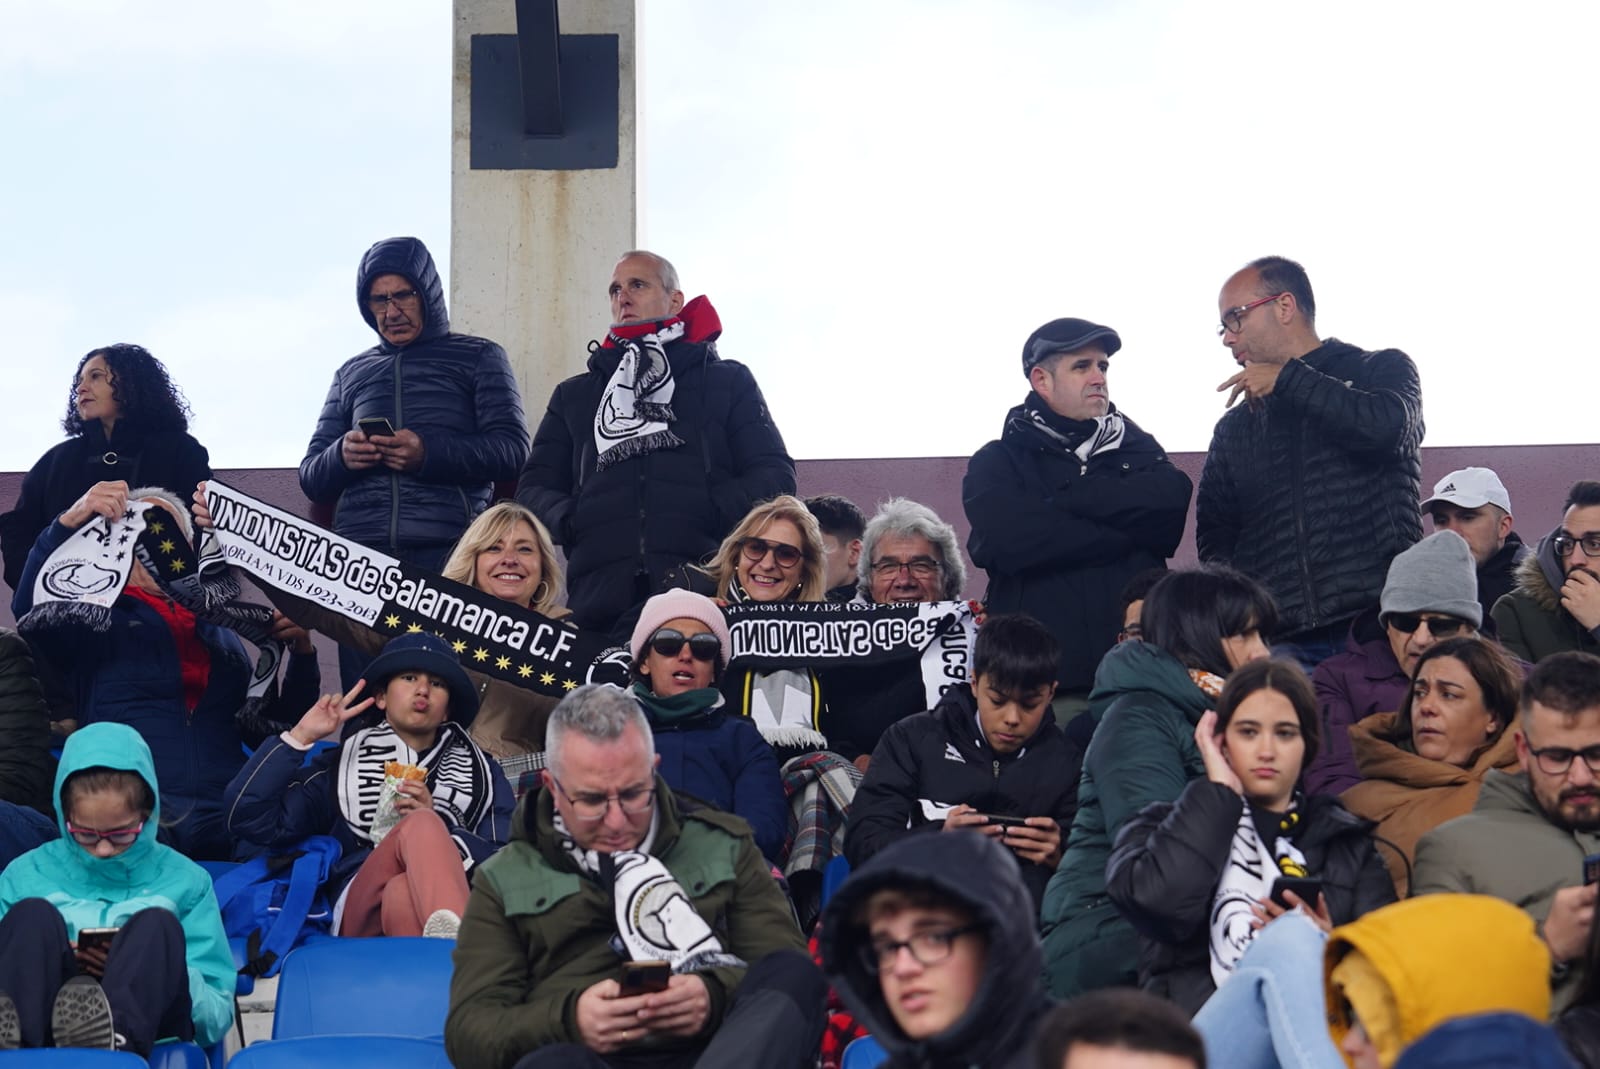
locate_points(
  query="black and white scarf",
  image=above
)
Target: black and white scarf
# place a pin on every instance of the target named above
(1248, 877)
(784, 704)
(656, 921)
(457, 776)
(636, 408)
(84, 576)
(1083, 438)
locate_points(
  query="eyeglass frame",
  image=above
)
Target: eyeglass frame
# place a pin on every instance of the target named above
(883, 569)
(605, 803)
(382, 301)
(132, 831)
(1240, 312)
(1590, 755)
(1393, 618)
(671, 634)
(765, 546)
(875, 956)
(1564, 544)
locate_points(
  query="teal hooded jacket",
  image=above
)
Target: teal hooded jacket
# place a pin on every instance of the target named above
(96, 892)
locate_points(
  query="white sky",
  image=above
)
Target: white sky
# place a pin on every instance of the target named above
(882, 200)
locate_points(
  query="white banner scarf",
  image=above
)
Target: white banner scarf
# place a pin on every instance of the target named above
(636, 409)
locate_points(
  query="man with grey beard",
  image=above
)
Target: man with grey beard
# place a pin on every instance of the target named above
(1527, 838)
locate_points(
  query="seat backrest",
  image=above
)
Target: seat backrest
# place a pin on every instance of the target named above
(863, 1053)
(386, 985)
(70, 1058)
(345, 1052)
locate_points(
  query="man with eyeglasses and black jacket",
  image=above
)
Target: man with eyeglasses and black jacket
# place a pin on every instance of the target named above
(1528, 838)
(1556, 603)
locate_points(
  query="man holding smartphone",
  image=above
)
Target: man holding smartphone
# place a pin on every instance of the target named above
(416, 430)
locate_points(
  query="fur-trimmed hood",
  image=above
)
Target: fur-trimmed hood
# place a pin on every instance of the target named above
(1540, 574)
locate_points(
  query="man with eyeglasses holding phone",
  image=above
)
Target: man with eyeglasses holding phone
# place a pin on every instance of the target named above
(1072, 501)
(1556, 603)
(1532, 838)
(1431, 594)
(627, 925)
(1311, 485)
(416, 430)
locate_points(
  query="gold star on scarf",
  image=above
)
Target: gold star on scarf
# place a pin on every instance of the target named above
(413, 629)
(391, 621)
(502, 663)
(156, 527)
(167, 545)
(459, 646)
(177, 565)
(524, 670)
(547, 678)
(480, 654)
(569, 684)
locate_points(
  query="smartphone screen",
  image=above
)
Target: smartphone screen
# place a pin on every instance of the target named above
(1591, 869)
(376, 425)
(1306, 888)
(96, 937)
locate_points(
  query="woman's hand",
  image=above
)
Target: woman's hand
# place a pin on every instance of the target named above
(200, 510)
(109, 499)
(410, 795)
(1267, 911)
(323, 718)
(1209, 743)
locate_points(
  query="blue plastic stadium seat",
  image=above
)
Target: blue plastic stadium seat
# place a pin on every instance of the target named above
(175, 1055)
(382, 986)
(70, 1058)
(345, 1052)
(863, 1053)
(837, 871)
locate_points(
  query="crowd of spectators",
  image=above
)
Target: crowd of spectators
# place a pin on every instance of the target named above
(1265, 790)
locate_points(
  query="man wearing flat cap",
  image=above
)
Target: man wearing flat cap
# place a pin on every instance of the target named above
(1071, 502)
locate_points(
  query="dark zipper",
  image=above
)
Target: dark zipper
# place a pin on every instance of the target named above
(394, 476)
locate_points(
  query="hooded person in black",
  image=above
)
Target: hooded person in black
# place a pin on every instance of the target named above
(959, 875)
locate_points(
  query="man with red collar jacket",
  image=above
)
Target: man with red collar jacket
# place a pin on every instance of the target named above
(648, 459)
(450, 401)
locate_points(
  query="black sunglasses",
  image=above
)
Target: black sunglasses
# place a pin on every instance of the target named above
(669, 643)
(755, 550)
(1438, 626)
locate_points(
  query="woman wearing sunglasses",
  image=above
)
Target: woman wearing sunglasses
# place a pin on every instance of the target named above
(109, 939)
(679, 648)
(1424, 764)
(775, 554)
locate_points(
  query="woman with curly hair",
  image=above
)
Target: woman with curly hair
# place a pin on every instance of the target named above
(128, 423)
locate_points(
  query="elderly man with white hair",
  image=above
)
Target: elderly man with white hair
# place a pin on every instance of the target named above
(145, 650)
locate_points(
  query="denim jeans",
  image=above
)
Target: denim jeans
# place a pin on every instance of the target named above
(1270, 1013)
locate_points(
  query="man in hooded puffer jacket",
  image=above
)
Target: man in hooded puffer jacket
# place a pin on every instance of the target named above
(416, 430)
(932, 947)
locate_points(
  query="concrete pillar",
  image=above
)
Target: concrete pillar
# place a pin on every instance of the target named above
(531, 249)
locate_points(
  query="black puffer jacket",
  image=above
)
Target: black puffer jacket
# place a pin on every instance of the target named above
(455, 391)
(996, 1031)
(942, 757)
(1059, 539)
(1315, 490)
(625, 527)
(26, 767)
(169, 459)
(1168, 861)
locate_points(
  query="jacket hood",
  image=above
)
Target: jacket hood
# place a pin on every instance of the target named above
(408, 257)
(1488, 1041)
(982, 875)
(1132, 667)
(1540, 574)
(1507, 791)
(1419, 971)
(1382, 755)
(117, 746)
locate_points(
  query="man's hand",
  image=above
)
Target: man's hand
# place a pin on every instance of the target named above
(402, 452)
(1566, 926)
(964, 816)
(1580, 596)
(108, 499)
(681, 1010)
(1038, 841)
(290, 633)
(358, 451)
(92, 960)
(1255, 381)
(606, 1020)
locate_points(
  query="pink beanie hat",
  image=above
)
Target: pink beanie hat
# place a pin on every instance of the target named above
(678, 605)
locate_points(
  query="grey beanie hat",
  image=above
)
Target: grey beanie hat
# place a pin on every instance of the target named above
(1437, 574)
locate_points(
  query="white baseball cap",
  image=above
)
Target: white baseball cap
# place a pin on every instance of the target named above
(1470, 488)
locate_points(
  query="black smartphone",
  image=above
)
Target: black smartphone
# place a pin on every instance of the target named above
(1591, 869)
(96, 938)
(1005, 821)
(376, 425)
(1307, 888)
(643, 977)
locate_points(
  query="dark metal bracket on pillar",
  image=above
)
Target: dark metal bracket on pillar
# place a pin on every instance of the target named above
(541, 100)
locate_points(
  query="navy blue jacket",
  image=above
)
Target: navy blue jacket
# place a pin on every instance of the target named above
(723, 761)
(455, 391)
(626, 527)
(130, 675)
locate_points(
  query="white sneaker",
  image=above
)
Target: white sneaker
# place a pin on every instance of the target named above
(442, 924)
